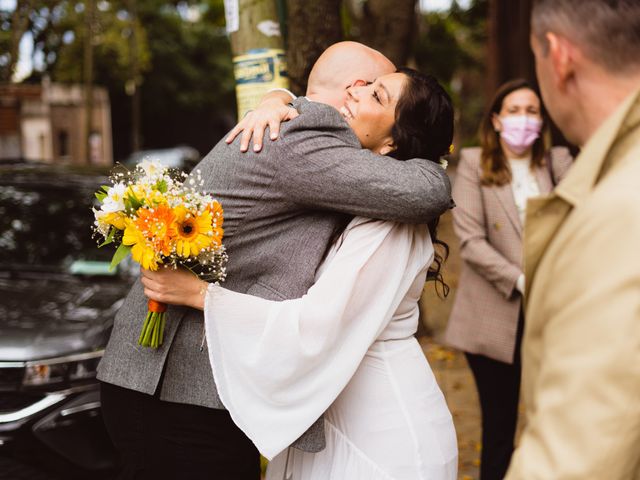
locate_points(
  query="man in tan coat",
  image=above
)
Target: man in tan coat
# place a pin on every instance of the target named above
(581, 351)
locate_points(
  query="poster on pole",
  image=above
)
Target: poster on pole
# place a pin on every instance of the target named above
(257, 72)
(232, 15)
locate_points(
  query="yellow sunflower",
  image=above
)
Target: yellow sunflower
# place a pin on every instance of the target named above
(142, 250)
(194, 232)
(158, 226)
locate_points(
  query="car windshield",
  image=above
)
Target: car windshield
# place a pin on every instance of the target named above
(45, 226)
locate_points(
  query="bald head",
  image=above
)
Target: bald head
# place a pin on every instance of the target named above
(342, 65)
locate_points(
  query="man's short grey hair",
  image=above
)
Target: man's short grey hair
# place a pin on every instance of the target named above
(607, 30)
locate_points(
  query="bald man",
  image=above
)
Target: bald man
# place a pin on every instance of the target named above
(282, 207)
(342, 65)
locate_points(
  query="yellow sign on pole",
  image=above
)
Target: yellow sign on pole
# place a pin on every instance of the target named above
(257, 72)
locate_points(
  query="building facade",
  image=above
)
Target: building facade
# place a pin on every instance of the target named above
(47, 123)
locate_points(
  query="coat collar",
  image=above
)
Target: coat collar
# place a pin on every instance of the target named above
(590, 164)
(546, 214)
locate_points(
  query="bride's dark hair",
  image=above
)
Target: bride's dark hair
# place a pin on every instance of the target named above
(423, 128)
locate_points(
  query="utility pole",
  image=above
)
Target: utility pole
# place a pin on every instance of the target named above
(258, 50)
(88, 75)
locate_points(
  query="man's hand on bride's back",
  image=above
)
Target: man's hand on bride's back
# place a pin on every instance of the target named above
(270, 113)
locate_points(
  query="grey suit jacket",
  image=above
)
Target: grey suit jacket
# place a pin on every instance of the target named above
(281, 208)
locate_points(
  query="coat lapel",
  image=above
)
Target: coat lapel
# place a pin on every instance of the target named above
(505, 197)
(543, 177)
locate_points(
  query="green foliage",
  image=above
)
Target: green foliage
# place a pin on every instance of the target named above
(185, 73)
(452, 46)
(121, 253)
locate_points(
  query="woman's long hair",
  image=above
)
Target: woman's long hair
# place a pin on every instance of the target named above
(423, 128)
(493, 162)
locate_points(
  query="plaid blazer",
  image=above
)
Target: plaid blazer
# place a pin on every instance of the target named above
(484, 318)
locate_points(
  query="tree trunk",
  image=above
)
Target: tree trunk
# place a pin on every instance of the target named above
(134, 74)
(510, 55)
(388, 26)
(312, 27)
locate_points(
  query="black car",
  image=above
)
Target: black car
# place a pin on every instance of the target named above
(57, 304)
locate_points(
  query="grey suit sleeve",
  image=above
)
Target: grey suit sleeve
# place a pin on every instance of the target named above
(323, 171)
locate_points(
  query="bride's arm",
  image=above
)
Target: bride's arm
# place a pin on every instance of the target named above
(272, 110)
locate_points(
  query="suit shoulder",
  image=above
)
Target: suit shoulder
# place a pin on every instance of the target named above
(470, 156)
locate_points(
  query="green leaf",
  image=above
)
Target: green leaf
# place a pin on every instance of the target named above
(161, 186)
(134, 202)
(109, 238)
(101, 196)
(121, 253)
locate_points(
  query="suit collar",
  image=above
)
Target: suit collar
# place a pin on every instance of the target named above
(543, 176)
(505, 197)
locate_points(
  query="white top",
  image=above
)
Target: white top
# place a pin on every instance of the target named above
(523, 184)
(279, 365)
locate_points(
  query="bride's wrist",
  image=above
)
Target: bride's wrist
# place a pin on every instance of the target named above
(197, 301)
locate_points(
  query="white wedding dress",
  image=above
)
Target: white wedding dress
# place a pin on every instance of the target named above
(345, 349)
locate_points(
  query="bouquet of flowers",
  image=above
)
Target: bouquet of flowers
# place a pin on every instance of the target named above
(158, 216)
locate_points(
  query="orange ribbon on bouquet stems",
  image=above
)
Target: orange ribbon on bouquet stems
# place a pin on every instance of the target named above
(152, 333)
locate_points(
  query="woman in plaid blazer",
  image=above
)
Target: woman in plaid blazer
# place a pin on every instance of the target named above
(491, 188)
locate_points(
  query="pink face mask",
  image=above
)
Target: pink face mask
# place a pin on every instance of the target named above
(519, 132)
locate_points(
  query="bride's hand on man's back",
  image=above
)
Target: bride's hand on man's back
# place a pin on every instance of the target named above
(272, 111)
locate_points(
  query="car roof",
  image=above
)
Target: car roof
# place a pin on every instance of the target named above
(52, 175)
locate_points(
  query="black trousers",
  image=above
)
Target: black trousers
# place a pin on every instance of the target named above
(165, 441)
(498, 386)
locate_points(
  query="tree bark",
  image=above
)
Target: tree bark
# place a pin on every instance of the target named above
(389, 27)
(312, 27)
(510, 55)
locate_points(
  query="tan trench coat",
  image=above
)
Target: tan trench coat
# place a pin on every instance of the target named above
(485, 312)
(581, 350)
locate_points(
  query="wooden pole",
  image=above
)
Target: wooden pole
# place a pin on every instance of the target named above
(258, 50)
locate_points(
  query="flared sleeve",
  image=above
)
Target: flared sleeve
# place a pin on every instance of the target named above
(278, 365)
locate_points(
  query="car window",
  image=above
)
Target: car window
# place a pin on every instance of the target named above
(47, 226)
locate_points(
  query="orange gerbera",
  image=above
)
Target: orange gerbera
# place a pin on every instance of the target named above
(217, 220)
(158, 226)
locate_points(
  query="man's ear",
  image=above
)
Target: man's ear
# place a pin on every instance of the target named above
(387, 148)
(561, 54)
(359, 83)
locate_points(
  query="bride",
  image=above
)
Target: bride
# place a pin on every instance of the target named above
(347, 347)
